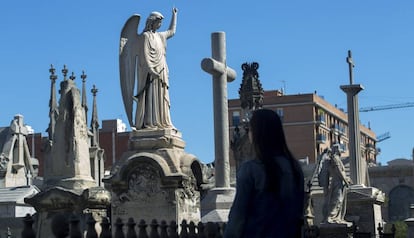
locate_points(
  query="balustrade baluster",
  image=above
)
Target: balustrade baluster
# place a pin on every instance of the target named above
(163, 229)
(192, 230)
(119, 233)
(142, 229)
(131, 229)
(154, 229)
(184, 232)
(173, 230)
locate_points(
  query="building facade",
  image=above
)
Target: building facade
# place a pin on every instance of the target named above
(311, 124)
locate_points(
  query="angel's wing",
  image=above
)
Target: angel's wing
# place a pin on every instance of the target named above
(127, 62)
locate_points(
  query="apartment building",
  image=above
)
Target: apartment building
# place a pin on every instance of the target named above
(311, 124)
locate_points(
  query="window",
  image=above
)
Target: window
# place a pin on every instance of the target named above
(321, 117)
(236, 118)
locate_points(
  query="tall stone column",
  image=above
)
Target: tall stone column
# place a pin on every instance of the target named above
(358, 165)
(363, 202)
(221, 75)
(215, 206)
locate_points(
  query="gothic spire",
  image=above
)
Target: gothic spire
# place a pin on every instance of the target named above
(84, 103)
(94, 120)
(53, 110)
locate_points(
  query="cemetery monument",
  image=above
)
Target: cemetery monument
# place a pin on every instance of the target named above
(334, 181)
(216, 205)
(69, 188)
(17, 167)
(251, 98)
(363, 201)
(18, 172)
(155, 178)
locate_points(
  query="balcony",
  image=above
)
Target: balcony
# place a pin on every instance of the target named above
(370, 147)
(320, 139)
(338, 129)
(320, 119)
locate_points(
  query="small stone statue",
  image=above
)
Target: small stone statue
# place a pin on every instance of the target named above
(333, 180)
(142, 58)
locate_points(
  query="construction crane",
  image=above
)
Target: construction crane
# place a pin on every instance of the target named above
(386, 107)
(383, 137)
(386, 135)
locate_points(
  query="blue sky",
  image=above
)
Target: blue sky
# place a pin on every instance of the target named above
(300, 45)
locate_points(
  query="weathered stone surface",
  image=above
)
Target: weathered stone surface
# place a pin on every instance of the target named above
(66, 203)
(365, 207)
(96, 198)
(16, 164)
(216, 205)
(68, 163)
(56, 199)
(156, 139)
(156, 180)
(69, 189)
(216, 66)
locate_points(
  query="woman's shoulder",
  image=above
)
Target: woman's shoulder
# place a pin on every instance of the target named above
(251, 166)
(251, 163)
(283, 161)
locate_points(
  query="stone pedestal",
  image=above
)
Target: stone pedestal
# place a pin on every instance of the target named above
(152, 140)
(156, 179)
(364, 207)
(410, 227)
(410, 222)
(334, 231)
(317, 204)
(216, 205)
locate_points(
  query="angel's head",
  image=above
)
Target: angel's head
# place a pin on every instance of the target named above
(153, 21)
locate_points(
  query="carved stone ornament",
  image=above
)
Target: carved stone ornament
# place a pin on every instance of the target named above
(3, 165)
(144, 184)
(189, 186)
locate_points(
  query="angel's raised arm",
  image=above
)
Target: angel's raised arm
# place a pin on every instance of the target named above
(173, 22)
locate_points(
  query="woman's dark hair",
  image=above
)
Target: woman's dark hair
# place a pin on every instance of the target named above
(269, 141)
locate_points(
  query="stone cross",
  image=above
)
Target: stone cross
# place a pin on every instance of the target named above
(351, 65)
(65, 72)
(357, 163)
(222, 74)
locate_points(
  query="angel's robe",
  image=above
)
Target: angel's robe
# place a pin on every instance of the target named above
(153, 109)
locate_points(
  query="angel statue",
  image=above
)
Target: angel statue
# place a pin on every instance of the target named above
(142, 58)
(334, 181)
